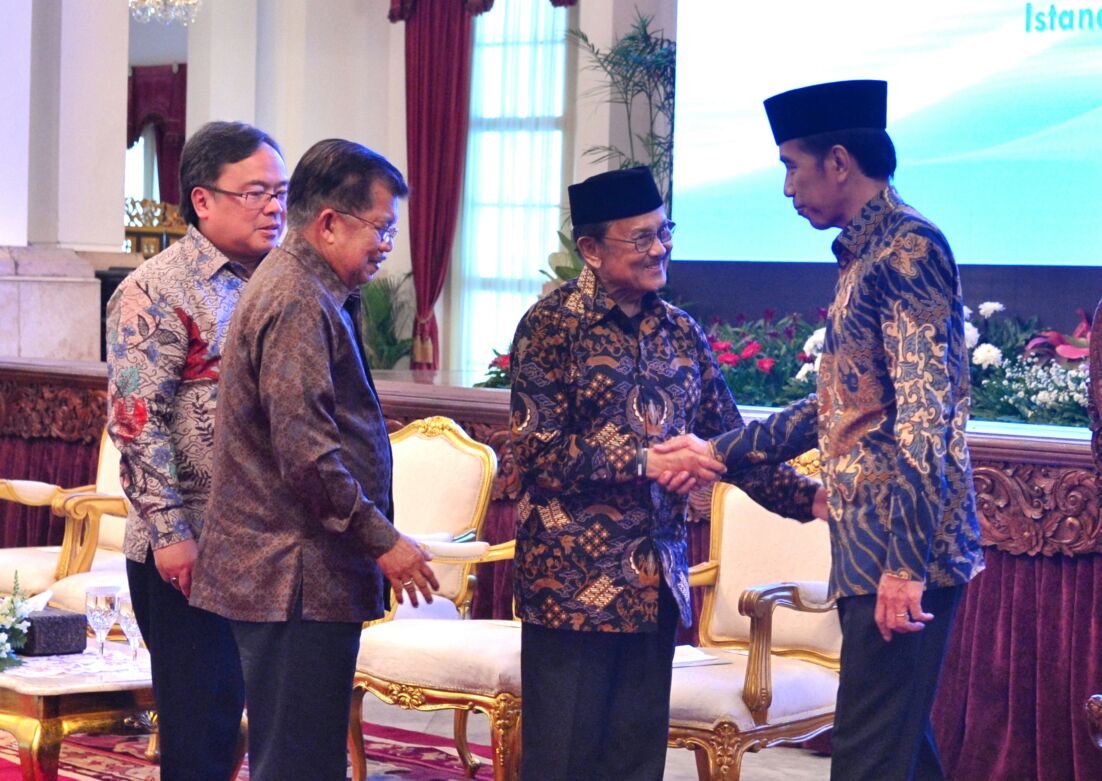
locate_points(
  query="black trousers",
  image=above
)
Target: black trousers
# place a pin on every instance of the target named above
(196, 678)
(298, 684)
(882, 726)
(596, 705)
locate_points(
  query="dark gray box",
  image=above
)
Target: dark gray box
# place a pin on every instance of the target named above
(55, 631)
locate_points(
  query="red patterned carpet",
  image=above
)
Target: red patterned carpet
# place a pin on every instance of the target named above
(392, 753)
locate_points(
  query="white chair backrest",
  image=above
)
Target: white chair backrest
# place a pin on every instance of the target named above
(442, 482)
(112, 529)
(760, 547)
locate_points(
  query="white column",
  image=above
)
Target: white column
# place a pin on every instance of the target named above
(15, 97)
(222, 63)
(78, 124)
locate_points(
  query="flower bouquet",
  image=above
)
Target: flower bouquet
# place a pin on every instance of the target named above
(14, 610)
(497, 373)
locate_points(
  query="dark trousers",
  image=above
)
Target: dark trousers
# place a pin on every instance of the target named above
(882, 726)
(298, 685)
(196, 678)
(596, 705)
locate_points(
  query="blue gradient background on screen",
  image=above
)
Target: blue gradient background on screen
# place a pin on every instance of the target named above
(998, 128)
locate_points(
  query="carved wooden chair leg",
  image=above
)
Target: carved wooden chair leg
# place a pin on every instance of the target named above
(356, 735)
(470, 764)
(505, 737)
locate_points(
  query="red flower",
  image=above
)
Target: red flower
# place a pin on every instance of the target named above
(750, 350)
(803, 357)
(129, 424)
(728, 359)
(823, 314)
(720, 346)
(769, 315)
(500, 362)
(766, 364)
(199, 364)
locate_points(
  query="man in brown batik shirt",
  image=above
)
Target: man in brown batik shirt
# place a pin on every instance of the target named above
(299, 536)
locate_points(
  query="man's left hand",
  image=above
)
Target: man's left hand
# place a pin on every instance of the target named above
(899, 606)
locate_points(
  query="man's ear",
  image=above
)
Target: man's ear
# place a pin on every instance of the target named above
(838, 162)
(201, 202)
(587, 248)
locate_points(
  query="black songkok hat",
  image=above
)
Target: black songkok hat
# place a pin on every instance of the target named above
(821, 108)
(614, 195)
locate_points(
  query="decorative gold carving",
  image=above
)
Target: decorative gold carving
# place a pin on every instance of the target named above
(1031, 509)
(505, 722)
(408, 697)
(808, 463)
(154, 214)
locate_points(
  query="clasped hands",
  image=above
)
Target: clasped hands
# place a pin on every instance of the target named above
(684, 462)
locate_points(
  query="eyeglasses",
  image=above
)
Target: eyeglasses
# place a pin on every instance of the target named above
(254, 199)
(646, 241)
(386, 233)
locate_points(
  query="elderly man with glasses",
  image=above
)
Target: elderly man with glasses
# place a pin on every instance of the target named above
(166, 326)
(601, 369)
(299, 539)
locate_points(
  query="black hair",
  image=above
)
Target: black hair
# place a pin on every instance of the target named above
(338, 174)
(595, 230)
(870, 147)
(210, 148)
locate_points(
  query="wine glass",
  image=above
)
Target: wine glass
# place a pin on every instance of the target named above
(101, 606)
(129, 623)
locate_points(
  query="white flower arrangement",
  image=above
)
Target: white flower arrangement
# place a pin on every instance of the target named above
(971, 333)
(987, 355)
(1033, 387)
(988, 308)
(13, 625)
(813, 347)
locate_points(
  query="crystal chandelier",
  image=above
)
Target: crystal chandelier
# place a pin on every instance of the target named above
(165, 11)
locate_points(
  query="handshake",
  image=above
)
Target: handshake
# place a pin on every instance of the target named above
(682, 463)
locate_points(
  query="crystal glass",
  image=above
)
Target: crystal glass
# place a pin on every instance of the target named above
(101, 606)
(129, 624)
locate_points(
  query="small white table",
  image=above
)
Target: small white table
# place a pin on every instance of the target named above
(49, 697)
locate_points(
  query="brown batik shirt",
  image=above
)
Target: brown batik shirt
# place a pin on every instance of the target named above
(302, 463)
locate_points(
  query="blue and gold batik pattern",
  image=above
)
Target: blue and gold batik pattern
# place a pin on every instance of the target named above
(590, 387)
(890, 413)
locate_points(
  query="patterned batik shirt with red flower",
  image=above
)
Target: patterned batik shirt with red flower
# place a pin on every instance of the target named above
(165, 328)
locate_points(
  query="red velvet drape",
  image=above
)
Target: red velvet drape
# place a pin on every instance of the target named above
(438, 74)
(68, 464)
(1025, 655)
(158, 95)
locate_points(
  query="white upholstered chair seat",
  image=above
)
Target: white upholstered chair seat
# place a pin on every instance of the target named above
(37, 568)
(706, 696)
(68, 593)
(482, 657)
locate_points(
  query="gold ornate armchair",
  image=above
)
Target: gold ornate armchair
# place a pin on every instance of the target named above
(91, 549)
(442, 481)
(779, 677)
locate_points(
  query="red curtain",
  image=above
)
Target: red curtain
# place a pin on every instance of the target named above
(402, 10)
(1025, 655)
(438, 73)
(68, 464)
(158, 95)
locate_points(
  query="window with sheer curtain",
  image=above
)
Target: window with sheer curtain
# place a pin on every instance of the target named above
(513, 188)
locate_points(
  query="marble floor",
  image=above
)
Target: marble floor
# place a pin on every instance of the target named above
(774, 764)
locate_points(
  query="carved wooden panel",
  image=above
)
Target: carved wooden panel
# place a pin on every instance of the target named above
(1035, 497)
(1034, 509)
(52, 411)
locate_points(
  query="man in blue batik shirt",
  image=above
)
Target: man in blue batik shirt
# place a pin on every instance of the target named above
(889, 419)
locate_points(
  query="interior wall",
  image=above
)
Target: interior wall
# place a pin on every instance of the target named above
(726, 290)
